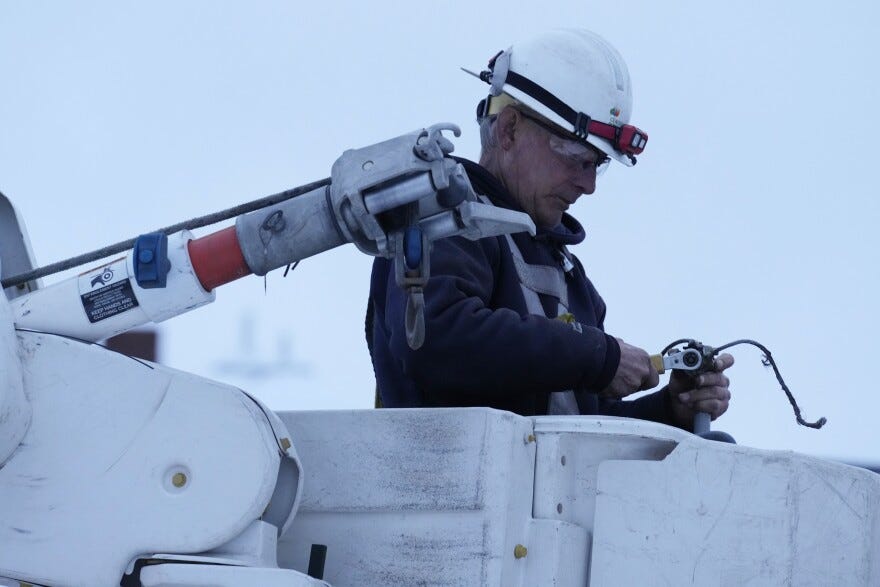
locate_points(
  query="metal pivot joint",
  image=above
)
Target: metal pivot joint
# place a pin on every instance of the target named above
(395, 198)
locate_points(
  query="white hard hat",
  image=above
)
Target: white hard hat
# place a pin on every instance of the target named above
(575, 79)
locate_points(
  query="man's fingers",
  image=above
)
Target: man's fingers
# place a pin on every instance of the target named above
(723, 361)
(652, 379)
(712, 380)
(708, 394)
(634, 373)
(617, 391)
(712, 407)
(712, 400)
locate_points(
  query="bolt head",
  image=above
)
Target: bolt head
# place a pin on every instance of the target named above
(178, 480)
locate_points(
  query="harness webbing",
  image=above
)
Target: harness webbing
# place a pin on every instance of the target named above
(535, 279)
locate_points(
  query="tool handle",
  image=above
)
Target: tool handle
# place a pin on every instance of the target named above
(702, 423)
(657, 363)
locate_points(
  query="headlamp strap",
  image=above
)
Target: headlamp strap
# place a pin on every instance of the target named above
(546, 98)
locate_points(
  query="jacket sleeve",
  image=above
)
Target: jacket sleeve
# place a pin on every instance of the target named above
(472, 348)
(654, 406)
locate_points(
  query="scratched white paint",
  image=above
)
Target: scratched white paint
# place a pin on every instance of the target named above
(15, 411)
(718, 514)
(91, 487)
(404, 497)
(435, 497)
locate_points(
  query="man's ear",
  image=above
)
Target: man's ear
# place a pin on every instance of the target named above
(508, 127)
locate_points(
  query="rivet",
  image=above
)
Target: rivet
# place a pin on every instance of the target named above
(178, 480)
(367, 165)
(530, 438)
(520, 551)
(285, 443)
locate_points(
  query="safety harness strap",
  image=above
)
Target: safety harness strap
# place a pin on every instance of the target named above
(535, 279)
(541, 279)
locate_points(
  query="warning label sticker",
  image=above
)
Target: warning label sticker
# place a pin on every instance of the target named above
(106, 291)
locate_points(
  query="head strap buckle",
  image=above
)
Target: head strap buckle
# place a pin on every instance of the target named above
(582, 125)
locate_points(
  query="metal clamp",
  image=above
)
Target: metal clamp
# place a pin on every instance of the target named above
(396, 198)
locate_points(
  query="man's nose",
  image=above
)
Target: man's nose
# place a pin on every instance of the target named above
(586, 180)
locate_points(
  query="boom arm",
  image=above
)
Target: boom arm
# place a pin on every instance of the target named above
(392, 199)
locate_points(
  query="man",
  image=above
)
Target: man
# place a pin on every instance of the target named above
(513, 322)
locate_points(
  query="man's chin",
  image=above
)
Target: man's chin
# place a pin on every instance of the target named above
(549, 221)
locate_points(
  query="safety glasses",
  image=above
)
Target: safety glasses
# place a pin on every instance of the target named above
(576, 152)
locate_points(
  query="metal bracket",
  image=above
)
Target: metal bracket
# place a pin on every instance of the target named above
(396, 198)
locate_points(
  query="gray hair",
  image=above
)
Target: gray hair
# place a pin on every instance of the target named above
(488, 141)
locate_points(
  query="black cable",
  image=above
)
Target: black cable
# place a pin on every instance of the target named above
(186, 225)
(676, 343)
(290, 267)
(768, 362)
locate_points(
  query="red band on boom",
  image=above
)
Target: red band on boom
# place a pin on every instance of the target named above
(217, 259)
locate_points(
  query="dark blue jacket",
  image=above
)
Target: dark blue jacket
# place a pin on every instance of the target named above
(482, 347)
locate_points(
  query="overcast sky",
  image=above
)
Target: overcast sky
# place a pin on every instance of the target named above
(751, 214)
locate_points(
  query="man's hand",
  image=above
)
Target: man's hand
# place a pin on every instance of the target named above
(634, 373)
(708, 392)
